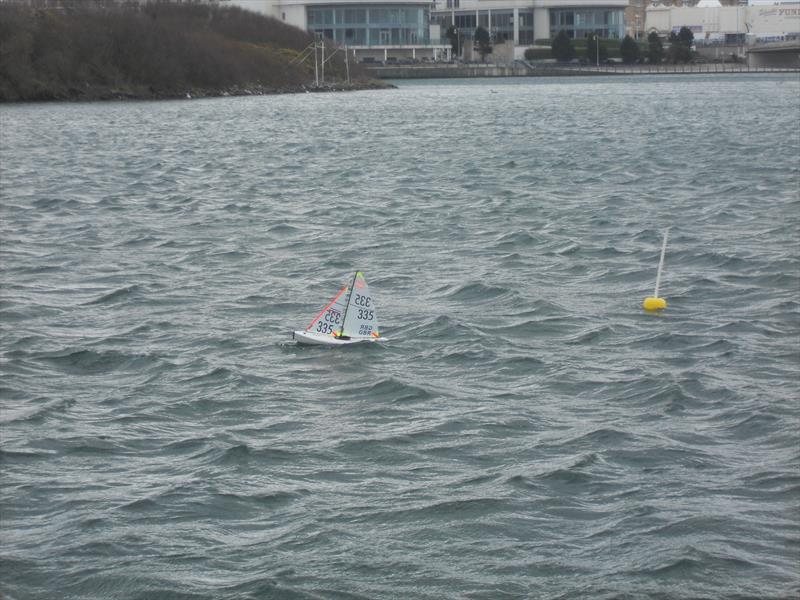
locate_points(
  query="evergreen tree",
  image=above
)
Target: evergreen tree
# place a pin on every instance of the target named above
(680, 49)
(484, 42)
(452, 35)
(562, 48)
(674, 47)
(686, 37)
(629, 50)
(655, 50)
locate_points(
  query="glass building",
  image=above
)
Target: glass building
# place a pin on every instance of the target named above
(381, 29)
(498, 22)
(580, 22)
(526, 21)
(371, 24)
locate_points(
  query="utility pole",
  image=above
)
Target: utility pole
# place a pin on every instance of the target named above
(316, 68)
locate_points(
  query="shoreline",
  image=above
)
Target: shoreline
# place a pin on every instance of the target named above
(524, 69)
(108, 94)
(381, 76)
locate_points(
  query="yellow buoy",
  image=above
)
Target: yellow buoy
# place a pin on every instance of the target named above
(654, 302)
(651, 303)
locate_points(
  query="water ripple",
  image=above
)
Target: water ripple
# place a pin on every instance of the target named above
(526, 431)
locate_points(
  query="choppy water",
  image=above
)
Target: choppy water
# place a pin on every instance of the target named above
(526, 432)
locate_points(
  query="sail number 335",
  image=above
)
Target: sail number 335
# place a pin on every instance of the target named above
(361, 300)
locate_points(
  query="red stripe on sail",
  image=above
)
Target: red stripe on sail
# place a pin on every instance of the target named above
(322, 312)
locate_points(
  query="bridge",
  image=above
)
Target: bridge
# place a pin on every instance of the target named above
(775, 55)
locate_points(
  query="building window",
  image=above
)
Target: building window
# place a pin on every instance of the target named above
(466, 21)
(371, 25)
(579, 23)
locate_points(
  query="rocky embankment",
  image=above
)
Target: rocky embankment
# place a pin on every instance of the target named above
(98, 93)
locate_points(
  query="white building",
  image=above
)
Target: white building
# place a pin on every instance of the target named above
(728, 24)
(525, 21)
(416, 29)
(376, 29)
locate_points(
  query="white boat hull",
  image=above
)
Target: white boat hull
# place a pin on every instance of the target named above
(315, 339)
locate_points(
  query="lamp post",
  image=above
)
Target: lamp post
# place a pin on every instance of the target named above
(597, 40)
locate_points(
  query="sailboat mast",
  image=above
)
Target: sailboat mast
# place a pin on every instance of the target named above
(347, 304)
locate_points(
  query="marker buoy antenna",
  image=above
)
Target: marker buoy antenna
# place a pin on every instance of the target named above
(654, 302)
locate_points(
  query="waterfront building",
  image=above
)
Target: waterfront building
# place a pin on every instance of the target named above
(415, 29)
(713, 24)
(526, 21)
(635, 17)
(370, 29)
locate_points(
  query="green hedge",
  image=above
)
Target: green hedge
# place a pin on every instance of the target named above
(537, 53)
(611, 48)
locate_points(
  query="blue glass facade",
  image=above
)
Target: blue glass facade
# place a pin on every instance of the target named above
(579, 23)
(499, 23)
(371, 25)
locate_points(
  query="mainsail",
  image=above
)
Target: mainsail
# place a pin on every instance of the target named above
(329, 320)
(349, 318)
(360, 317)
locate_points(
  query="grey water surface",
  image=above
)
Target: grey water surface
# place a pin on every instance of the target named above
(526, 431)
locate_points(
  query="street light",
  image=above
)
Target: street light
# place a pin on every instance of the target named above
(597, 39)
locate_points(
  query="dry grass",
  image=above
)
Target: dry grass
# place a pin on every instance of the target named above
(156, 50)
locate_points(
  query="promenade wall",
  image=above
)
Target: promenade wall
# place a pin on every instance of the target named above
(519, 69)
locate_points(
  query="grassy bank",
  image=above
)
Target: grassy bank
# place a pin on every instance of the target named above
(103, 50)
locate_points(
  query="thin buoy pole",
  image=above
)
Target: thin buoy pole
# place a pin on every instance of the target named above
(655, 303)
(661, 261)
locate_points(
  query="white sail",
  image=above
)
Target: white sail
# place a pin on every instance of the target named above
(331, 318)
(360, 318)
(349, 318)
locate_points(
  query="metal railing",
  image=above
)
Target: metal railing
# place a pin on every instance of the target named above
(621, 69)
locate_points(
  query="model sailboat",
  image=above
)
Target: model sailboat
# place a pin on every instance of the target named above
(350, 318)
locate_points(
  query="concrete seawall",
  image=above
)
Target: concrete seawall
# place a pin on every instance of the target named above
(445, 71)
